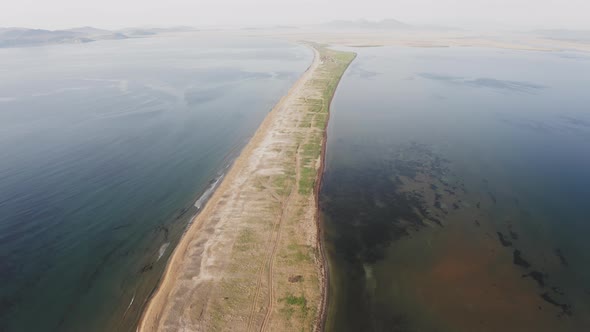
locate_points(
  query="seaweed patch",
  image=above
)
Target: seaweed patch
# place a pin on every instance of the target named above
(561, 257)
(505, 242)
(565, 308)
(539, 277)
(518, 260)
(416, 175)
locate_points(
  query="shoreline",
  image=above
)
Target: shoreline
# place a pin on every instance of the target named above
(325, 266)
(203, 261)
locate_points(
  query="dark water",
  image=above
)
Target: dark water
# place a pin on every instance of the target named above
(104, 149)
(456, 191)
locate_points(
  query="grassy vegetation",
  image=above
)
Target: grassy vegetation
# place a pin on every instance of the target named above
(299, 174)
(303, 161)
(334, 64)
(296, 305)
(282, 183)
(306, 122)
(299, 253)
(307, 181)
(320, 121)
(246, 238)
(299, 301)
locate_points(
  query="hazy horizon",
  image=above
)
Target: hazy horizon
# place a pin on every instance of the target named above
(111, 14)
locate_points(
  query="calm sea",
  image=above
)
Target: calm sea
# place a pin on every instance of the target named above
(456, 191)
(104, 149)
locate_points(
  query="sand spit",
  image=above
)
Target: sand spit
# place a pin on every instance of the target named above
(251, 259)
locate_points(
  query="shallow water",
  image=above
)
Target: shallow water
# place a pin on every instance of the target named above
(455, 190)
(105, 148)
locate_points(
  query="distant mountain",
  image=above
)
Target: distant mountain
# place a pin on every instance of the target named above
(150, 31)
(138, 32)
(387, 24)
(22, 37)
(89, 31)
(18, 37)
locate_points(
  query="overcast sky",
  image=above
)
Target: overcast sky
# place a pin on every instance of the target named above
(505, 14)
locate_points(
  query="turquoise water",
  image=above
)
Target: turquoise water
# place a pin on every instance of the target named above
(105, 147)
(455, 192)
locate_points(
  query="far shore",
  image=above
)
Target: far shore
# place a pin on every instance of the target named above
(421, 38)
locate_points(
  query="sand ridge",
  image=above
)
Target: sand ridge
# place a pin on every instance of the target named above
(250, 260)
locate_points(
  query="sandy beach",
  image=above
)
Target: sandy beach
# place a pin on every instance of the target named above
(251, 259)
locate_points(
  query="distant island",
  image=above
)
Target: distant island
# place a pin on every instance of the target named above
(24, 37)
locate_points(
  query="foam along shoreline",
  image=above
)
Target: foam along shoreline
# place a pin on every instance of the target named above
(199, 203)
(251, 257)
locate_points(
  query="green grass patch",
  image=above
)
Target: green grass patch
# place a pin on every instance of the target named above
(306, 122)
(334, 64)
(302, 257)
(299, 253)
(293, 300)
(321, 120)
(288, 312)
(312, 149)
(307, 180)
(295, 304)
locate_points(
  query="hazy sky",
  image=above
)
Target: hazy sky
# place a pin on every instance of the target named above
(124, 13)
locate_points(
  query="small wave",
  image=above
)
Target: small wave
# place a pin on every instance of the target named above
(162, 250)
(129, 306)
(203, 199)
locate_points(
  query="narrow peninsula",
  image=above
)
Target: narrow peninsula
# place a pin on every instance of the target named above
(252, 260)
